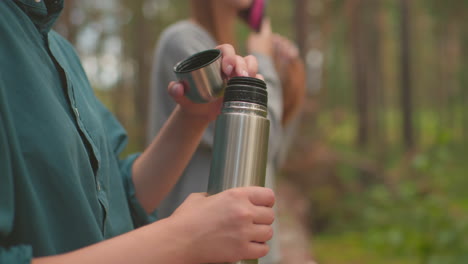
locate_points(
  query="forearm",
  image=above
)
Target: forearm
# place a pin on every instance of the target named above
(157, 170)
(155, 243)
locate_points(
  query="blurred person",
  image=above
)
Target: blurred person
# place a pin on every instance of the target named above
(212, 22)
(66, 197)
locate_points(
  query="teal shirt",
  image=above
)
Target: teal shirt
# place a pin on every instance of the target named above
(62, 185)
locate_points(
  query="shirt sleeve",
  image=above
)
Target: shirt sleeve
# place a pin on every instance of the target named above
(21, 254)
(175, 46)
(118, 139)
(176, 43)
(139, 215)
(275, 105)
(17, 254)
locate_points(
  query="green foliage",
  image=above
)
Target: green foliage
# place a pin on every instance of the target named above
(447, 9)
(349, 248)
(421, 216)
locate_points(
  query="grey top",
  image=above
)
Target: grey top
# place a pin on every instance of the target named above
(176, 43)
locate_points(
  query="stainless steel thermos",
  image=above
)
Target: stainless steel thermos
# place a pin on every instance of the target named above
(240, 147)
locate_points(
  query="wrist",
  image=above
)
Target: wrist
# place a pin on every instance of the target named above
(178, 242)
(193, 119)
(184, 237)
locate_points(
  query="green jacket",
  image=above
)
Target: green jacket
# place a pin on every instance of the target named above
(62, 185)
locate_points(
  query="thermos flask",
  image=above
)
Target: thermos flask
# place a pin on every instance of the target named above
(240, 145)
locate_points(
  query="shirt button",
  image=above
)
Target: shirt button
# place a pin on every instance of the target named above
(37, 1)
(98, 186)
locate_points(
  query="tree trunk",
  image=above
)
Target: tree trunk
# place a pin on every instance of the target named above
(464, 82)
(65, 25)
(371, 13)
(359, 65)
(301, 25)
(142, 53)
(406, 89)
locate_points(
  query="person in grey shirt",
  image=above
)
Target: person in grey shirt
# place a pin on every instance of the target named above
(213, 22)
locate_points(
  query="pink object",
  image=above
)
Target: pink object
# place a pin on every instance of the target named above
(254, 14)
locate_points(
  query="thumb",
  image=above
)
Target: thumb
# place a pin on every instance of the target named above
(177, 91)
(266, 27)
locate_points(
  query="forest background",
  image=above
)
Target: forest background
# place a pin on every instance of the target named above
(381, 151)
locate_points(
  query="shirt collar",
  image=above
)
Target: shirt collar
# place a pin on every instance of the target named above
(43, 13)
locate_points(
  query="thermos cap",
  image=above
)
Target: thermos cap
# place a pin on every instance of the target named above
(202, 75)
(246, 89)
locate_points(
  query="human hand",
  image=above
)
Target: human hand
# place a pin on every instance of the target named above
(261, 42)
(231, 65)
(284, 52)
(229, 226)
(291, 71)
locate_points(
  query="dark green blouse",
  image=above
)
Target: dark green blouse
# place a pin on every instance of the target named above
(62, 185)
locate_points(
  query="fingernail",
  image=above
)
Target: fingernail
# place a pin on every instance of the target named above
(229, 69)
(245, 73)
